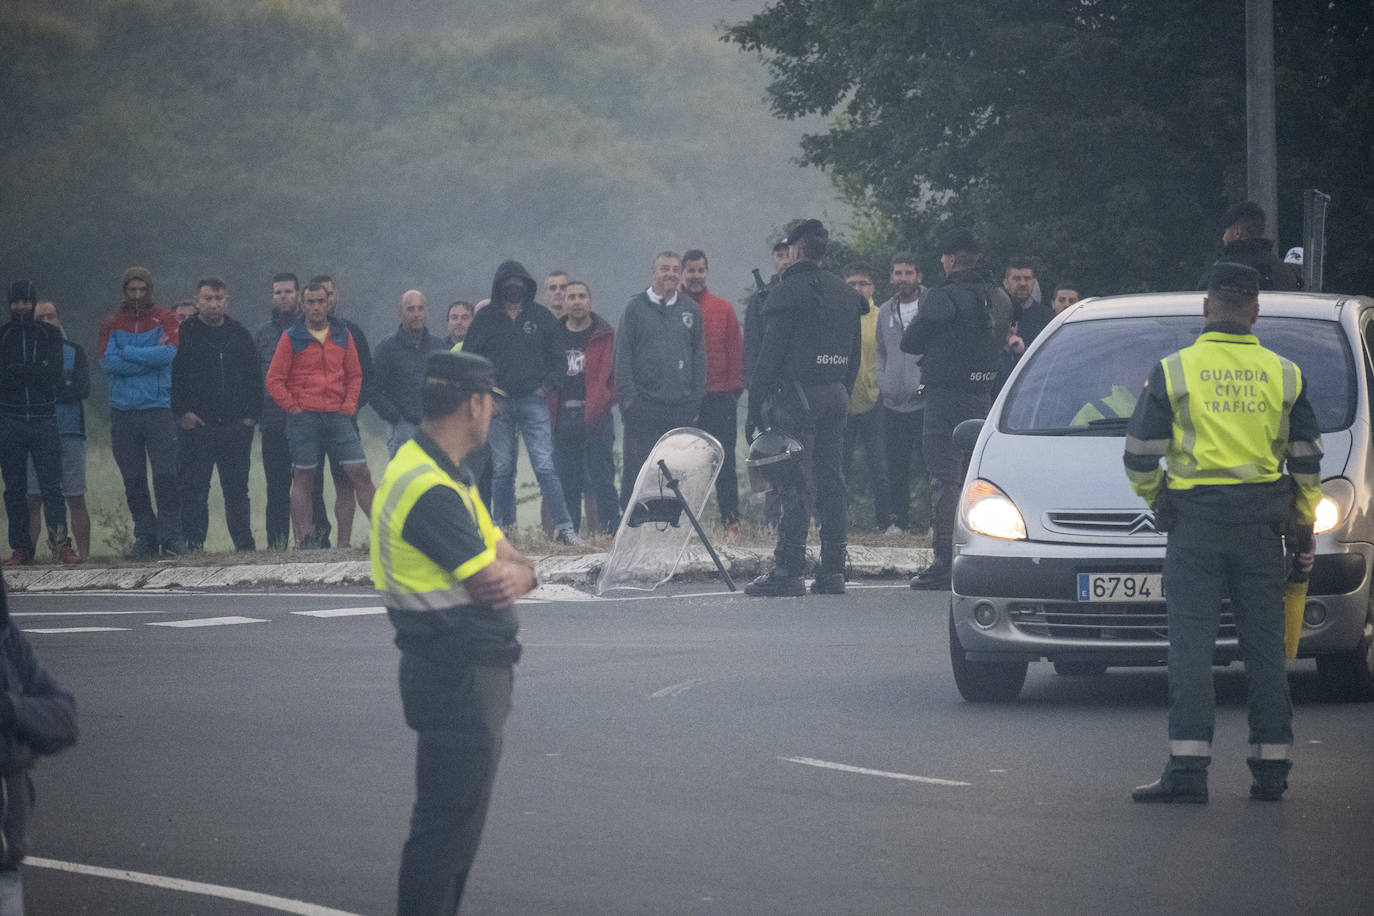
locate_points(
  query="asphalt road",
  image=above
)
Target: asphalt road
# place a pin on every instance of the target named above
(675, 755)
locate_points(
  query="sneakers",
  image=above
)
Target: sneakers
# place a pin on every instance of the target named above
(828, 583)
(776, 584)
(569, 537)
(142, 550)
(935, 577)
(66, 554)
(1184, 782)
(20, 557)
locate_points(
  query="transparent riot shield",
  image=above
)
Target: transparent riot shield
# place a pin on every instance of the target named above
(657, 524)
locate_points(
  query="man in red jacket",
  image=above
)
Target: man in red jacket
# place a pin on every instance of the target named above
(580, 408)
(724, 380)
(315, 377)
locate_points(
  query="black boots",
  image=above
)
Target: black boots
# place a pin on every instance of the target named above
(828, 583)
(779, 583)
(936, 576)
(1184, 782)
(1270, 778)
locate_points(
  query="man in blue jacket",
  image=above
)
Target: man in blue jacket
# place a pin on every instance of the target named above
(137, 344)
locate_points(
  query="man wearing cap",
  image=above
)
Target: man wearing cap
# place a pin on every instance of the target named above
(1243, 241)
(30, 371)
(137, 344)
(449, 579)
(959, 334)
(1225, 414)
(808, 361)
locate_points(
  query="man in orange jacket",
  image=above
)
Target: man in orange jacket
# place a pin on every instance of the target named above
(315, 377)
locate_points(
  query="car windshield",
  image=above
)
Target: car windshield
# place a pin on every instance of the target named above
(1086, 378)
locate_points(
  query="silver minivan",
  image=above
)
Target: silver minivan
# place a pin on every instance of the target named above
(1056, 558)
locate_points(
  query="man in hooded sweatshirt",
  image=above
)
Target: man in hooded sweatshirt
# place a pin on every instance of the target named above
(30, 370)
(518, 335)
(137, 344)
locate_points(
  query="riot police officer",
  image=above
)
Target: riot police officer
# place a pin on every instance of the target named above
(1225, 414)
(807, 364)
(958, 332)
(448, 579)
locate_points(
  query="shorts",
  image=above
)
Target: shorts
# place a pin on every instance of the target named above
(311, 433)
(73, 468)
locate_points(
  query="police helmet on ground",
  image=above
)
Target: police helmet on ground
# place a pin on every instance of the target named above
(774, 460)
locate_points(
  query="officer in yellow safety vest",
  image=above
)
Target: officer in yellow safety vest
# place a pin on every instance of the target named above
(448, 578)
(1225, 414)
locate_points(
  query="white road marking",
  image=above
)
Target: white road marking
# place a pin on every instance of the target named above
(342, 612)
(79, 613)
(280, 904)
(206, 622)
(76, 630)
(865, 771)
(673, 690)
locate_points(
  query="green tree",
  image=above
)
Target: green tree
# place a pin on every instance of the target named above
(1106, 138)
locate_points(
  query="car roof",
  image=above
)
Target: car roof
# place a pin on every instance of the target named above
(1272, 304)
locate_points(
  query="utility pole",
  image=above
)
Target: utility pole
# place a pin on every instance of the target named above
(1262, 170)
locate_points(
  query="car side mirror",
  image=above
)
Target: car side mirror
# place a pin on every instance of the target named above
(966, 434)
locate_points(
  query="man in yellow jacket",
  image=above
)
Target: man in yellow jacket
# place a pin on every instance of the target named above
(1226, 414)
(448, 578)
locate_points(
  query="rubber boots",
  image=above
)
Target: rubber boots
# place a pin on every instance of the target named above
(1270, 778)
(1184, 782)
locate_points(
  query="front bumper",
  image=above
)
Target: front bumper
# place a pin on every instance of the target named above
(1026, 598)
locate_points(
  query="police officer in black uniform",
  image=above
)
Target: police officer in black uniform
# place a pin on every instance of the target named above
(806, 368)
(958, 332)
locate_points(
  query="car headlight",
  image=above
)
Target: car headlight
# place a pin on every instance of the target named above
(988, 511)
(1338, 497)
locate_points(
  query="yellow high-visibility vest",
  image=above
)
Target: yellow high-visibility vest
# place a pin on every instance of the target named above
(407, 579)
(1231, 400)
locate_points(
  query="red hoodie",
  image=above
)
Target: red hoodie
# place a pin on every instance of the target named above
(724, 343)
(596, 374)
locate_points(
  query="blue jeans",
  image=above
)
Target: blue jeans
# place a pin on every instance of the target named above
(21, 440)
(527, 417)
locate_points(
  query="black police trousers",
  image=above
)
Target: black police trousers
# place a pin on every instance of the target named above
(945, 409)
(458, 710)
(820, 489)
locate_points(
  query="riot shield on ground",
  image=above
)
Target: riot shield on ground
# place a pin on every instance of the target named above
(654, 529)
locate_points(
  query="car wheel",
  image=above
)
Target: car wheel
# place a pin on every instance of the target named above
(1070, 668)
(1349, 676)
(984, 682)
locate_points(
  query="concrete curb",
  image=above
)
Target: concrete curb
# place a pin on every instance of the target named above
(576, 570)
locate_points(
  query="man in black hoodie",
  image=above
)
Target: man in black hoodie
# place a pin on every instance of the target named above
(517, 335)
(30, 369)
(1243, 241)
(217, 399)
(37, 717)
